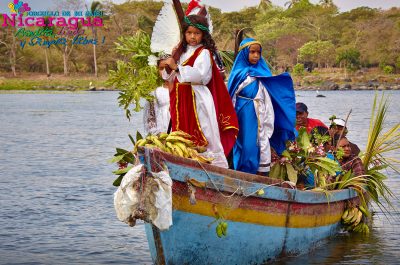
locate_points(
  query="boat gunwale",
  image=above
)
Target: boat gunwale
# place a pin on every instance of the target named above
(294, 195)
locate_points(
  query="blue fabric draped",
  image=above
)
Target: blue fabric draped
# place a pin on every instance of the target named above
(246, 151)
(281, 91)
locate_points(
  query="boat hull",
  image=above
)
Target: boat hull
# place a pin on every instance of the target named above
(261, 225)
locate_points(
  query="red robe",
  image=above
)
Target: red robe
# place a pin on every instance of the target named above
(183, 108)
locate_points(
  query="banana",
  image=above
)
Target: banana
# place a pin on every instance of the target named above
(359, 217)
(177, 150)
(207, 159)
(355, 215)
(162, 136)
(365, 229)
(180, 133)
(344, 215)
(170, 146)
(195, 156)
(200, 159)
(180, 139)
(167, 149)
(349, 216)
(192, 153)
(157, 142)
(141, 142)
(183, 147)
(358, 228)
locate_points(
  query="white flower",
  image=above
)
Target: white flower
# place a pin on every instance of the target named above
(152, 60)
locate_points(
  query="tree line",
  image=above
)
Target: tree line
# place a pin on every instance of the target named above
(297, 36)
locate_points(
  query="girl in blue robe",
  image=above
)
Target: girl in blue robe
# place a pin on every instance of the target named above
(265, 106)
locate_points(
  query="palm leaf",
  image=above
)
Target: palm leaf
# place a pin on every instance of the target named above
(227, 58)
(380, 145)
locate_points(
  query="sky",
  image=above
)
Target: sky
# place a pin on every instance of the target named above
(228, 5)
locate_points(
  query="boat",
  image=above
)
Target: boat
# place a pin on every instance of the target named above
(265, 220)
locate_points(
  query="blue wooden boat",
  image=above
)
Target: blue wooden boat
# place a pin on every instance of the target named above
(265, 220)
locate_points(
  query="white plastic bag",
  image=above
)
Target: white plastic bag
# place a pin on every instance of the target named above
(126, 199)
(163, 201)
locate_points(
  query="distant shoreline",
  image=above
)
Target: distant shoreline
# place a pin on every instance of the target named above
(323, 80)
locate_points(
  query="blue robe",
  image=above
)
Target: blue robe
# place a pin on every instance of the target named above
(246, 152)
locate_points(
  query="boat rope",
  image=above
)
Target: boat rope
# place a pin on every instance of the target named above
(240, 188)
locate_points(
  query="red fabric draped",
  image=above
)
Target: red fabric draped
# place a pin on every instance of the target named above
(183, 108)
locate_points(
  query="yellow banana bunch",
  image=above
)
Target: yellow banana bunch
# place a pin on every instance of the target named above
(352, 219)
(176, 138)
(177, 143)
(202, 159)
(180, 133)
(352, 213)
(362, 228)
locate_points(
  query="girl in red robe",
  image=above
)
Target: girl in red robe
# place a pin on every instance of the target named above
(199, 101)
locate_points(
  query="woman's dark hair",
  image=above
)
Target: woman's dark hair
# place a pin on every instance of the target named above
(336, 138)
(207, 41)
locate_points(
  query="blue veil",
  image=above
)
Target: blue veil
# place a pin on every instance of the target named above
(280, 89)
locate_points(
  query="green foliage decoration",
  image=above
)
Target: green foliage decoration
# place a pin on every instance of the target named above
(305, 156)
(134, 76)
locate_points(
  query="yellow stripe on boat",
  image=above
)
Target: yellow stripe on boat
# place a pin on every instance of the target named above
(182, 203)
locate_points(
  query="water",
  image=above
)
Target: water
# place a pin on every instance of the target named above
(55, 184)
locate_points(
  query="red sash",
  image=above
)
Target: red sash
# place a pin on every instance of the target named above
(184, 114)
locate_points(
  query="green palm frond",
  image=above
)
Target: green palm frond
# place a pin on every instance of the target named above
(228, 59)
(377, 156)
(380, 144)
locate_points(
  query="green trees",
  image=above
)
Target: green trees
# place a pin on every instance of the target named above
(9, 41)
(321, 52)
(302, 32)
(350, 58)
(94, 7)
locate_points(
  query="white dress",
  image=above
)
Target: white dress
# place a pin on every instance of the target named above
(200, 75)
(156, 114)
(265, 115)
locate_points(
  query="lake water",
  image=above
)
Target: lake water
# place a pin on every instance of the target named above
(56, 188)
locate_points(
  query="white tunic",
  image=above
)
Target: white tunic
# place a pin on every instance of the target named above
(200, 75)
(265, 115)
(157, 120)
